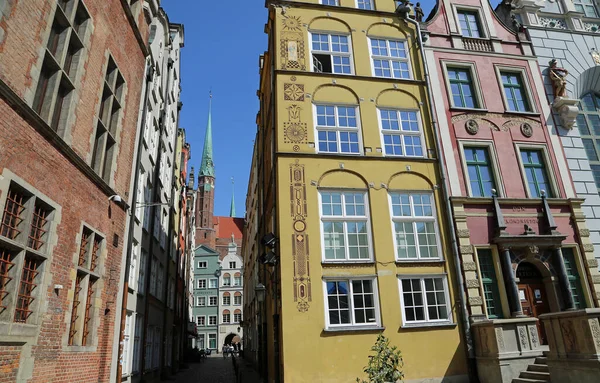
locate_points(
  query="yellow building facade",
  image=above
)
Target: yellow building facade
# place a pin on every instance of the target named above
(345, 176)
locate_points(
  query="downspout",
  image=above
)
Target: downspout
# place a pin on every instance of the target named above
(446, 195)
(148, 74)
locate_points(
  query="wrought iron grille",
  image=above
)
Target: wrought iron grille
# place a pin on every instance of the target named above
(13, 209)
(6, 264)
(26, 287)
(38, 228)
(88, 312)
(74, 316)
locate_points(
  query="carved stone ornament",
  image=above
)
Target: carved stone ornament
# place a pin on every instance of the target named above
(472, 283)
(588, 247)
(584, 232)
(469, 266)
(526, 130)
(595, 328)
(463, 233)
(567, 111)
(476, 301)
(472, 127)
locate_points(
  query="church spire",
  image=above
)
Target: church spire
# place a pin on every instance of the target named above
(207, 167)
(232, 210)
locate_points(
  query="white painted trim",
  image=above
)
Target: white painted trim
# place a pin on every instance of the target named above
(483, 24)
(349, 280)
(424, 292)
(390, 58)
(412, 219)
(344, 218)
(338, 128)
(443, 127)
(350, 54)
(421, 133)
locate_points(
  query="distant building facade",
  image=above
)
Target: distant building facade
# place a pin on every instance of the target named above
(206, 297)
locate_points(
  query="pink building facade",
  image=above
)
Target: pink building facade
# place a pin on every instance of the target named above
(521, 236)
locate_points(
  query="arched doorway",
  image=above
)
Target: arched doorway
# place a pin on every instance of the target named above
(532, 293)
(232, 338)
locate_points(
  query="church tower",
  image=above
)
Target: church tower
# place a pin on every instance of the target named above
(205, 200)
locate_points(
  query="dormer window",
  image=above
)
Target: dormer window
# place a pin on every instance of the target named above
(469, 23)
(586, 7)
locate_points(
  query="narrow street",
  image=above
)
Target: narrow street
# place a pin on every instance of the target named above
(215, 369)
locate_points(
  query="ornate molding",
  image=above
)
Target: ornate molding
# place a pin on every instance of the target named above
(592, 263)
(469, 266)
(473, 283)
(466, 249)
(526, 129)
(476, 301)
(472, 127)
(584, 232)
(552, 22)
(588, 247)
(463, 233)
(567, 111)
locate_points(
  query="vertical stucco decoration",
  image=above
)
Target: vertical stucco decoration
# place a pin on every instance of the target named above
(300, 253)
(292, 44)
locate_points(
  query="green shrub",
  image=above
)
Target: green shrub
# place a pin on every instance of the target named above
(385, 366)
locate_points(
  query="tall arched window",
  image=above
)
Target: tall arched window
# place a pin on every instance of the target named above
(588, 123)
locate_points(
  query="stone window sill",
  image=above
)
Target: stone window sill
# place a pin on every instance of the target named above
(353, 329)
(427, 325)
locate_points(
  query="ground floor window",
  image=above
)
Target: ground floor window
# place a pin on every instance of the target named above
(212, 341)
(489, 281)
(574, 279)
(201, 341)
(424, 299)
(351, 302)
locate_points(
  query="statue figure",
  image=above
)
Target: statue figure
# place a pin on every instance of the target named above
(557, 76)
(419, 13)
(516, 24)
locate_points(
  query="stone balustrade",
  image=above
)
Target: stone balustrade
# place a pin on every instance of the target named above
(574, 340)
(474, 44)
(505, 347)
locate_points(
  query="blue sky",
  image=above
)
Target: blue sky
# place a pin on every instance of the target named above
(223, 40)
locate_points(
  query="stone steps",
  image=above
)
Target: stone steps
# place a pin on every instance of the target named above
(535, 373)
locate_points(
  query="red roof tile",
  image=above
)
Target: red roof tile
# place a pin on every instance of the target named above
(225, 226)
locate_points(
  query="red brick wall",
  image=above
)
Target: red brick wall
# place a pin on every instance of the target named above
(9, 363)
(27, 154)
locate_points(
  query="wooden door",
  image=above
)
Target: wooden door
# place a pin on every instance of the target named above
(534, 302)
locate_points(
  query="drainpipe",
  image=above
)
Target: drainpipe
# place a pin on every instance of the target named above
(462, 299)
(149, 73)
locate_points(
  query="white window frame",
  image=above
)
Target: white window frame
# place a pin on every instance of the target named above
(371, 2)
(344, 218)
(214, 336)
(228, 321)
(521, 71)
(237, 279)
(483, 30)
(349, 279)
(202, 264)
(133, 265)
(215, 298)
(228, 298)
(426, 322)
(203, 320)
(232, 265)
(126, 357)
(229, 279)
(240, 298)
(331, 53)
(213, 283)
(199, 283)
(390, 58)
(337, 3)
(199, 300)
(477, 92)
(414, 219)
(338, 129)
(402, 133)
(216, 320)
(585, 6)
(547, 164)
(237, 320)
(498, 180)
(201, 342)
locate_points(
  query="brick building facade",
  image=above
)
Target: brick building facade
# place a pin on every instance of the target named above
(70, 84)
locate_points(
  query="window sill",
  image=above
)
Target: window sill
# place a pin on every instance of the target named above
(427, 325)
(462, 109)
(522, 113)
(353, 329)
(348, 262)
(411, 261)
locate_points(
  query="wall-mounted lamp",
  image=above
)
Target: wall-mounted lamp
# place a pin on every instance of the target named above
(115, 198)
(260, 292)
(269, 240)
(218, 272)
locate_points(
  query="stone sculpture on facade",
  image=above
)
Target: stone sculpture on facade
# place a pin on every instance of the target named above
(419, 13)
(558, 78)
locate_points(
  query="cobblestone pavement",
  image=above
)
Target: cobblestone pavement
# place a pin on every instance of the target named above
(214, 369)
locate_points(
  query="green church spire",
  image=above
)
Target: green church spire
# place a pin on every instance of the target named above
(207, 167)
(232, 210)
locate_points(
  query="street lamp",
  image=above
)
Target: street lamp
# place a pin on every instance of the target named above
(260, 292)
(218, 272)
